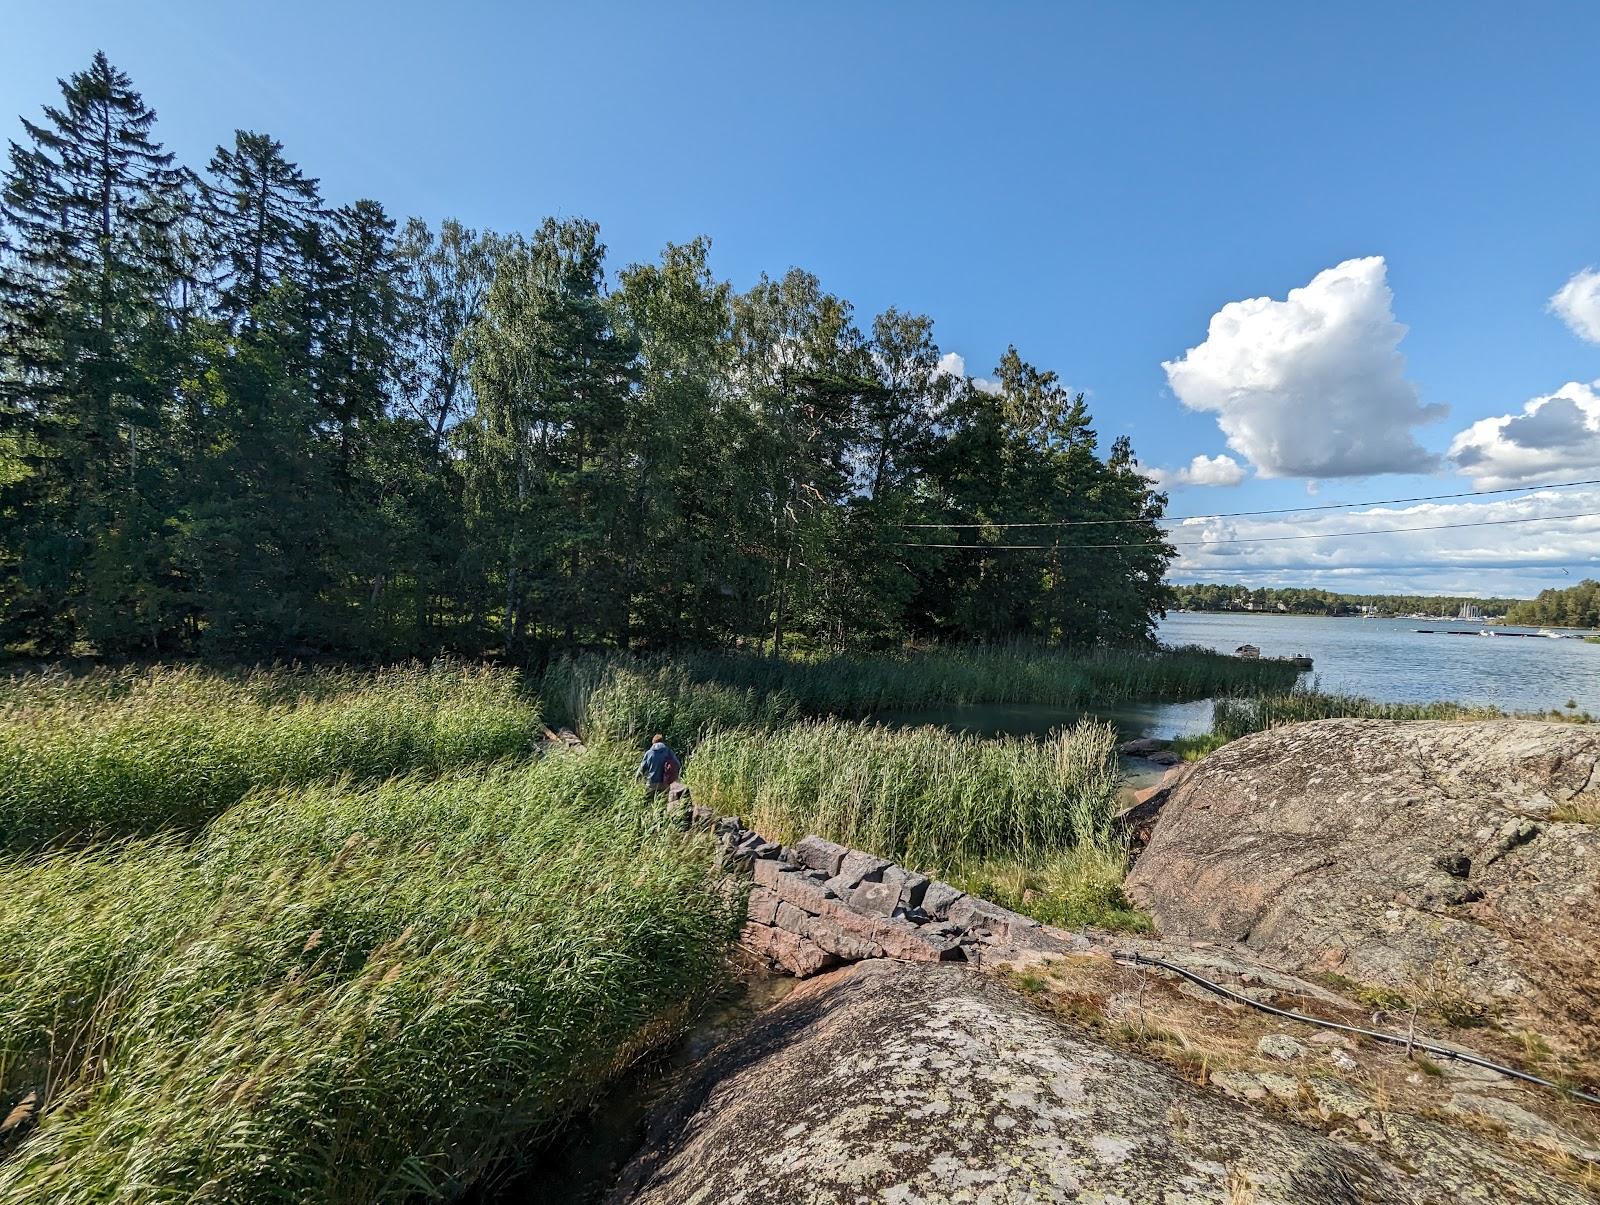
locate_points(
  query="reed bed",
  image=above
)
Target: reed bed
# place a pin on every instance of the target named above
(342, 994)
(687, 696)
(613, 699)
(1233, 718)
(929, 798)
(83, 759)
(861, 685)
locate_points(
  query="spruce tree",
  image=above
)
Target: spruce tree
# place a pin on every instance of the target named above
(82, 347)
(260, 205)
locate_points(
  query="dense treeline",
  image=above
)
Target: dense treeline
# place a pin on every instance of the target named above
(237, 419)
(1295, 601)
(1575, 607)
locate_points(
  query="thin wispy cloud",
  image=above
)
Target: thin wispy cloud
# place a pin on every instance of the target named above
(1500, 559)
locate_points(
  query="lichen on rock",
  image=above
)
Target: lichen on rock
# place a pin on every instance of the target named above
(936, 1084)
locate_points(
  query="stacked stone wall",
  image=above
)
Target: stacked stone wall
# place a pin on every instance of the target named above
(817, 904)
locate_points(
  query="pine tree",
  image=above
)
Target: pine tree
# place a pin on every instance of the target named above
(261, 523)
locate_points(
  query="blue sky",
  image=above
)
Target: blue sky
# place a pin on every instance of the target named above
(1091, 182)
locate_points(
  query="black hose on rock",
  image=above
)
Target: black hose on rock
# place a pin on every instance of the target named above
(1393, 1039)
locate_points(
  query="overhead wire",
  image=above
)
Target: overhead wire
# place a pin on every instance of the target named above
(1321, 535)
(1283, 510)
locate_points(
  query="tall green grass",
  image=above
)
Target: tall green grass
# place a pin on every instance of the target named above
(1023, 822)
(615, 699)
(336, 994)
(1074, 888)
(862, 685)
(924, 796)
(1233, 718)
(88, 758)
(686, 696)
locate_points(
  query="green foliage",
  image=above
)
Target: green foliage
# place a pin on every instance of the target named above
(1193, 748)
(1575, 607)
(611, 699)
(88, 758)
(347, 995)
(1294, 600)
(1074, 888)
(928, 798)
(687, 695)
(1233, 718)
(867, 683)
(237, 421)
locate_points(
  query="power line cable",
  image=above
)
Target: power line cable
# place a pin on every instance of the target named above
(1285, 510)
(1327, 535)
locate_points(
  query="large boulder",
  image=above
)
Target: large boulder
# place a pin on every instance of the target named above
(938, 1084)
(1435, 859)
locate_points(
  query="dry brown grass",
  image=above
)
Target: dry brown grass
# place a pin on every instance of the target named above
(1196, 1038)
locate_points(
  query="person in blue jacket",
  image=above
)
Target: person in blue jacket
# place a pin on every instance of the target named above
(659, 767)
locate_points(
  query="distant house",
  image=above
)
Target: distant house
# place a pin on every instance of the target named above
(1248, 651)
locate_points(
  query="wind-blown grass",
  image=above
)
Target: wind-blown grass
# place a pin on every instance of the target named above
(108, 754)
(924, 796)
(614, 699)
(346, 995)
(1023, 822)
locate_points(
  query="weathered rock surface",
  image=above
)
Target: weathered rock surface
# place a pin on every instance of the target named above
(1421, 856)
(933, 1084)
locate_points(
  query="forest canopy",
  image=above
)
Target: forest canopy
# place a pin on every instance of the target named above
(237, 418)
(1575, 607)
(1294, 600)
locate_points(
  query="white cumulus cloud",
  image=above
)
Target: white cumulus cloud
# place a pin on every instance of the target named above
(1577, 303)
(1202, 470)
(1314, 385)
(954, 364)
(1556, 435)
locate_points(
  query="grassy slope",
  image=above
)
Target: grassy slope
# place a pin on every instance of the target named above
(343, 994)
(346, 993)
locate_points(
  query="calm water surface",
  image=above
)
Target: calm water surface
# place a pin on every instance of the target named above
(1383, 659)
(1389, 660)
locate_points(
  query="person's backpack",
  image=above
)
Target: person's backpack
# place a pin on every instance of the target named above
(669, 771)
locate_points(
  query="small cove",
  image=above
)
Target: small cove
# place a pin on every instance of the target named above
(1131, 719)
